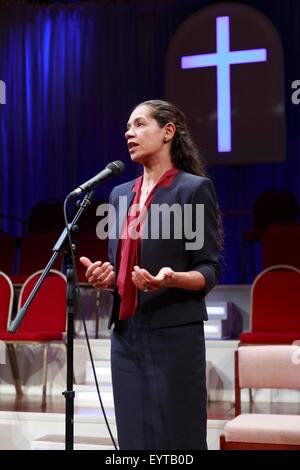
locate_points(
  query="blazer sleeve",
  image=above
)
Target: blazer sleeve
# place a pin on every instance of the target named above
(206, 260)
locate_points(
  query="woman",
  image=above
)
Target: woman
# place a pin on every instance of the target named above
(159, 283)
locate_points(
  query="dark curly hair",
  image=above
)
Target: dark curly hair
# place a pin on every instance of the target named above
(184, 154)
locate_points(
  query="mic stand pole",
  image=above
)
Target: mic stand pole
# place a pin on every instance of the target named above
(62, 241)
(69, 394)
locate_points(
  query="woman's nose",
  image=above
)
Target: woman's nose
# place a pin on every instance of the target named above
(129, 133)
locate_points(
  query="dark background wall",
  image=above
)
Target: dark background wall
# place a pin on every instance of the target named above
(73, 72)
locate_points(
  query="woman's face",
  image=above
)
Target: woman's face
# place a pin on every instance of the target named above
(144, 136)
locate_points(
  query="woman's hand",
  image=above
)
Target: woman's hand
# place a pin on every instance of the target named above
(143, 280)
(99, 275)
(191, 280)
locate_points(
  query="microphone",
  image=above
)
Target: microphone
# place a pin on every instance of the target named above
(112, 169)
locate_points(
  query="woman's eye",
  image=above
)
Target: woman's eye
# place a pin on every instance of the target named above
(139, 124)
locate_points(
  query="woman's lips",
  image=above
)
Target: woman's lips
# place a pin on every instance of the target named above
(132, 146)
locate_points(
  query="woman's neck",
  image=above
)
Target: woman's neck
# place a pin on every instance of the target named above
(154, 172)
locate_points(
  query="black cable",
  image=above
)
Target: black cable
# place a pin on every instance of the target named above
(84, 323)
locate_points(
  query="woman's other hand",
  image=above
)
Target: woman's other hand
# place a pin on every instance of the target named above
(99, 275)
(143, 280)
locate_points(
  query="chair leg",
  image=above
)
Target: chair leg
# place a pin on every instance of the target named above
(14, 368)
(251, 401)
(222, 442)
(45, 369)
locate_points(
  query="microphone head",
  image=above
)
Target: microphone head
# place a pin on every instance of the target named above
(116, 167)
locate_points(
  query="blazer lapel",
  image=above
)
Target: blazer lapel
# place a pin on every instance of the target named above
(121, 209)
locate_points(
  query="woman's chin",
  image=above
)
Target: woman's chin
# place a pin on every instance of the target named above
(137, 158)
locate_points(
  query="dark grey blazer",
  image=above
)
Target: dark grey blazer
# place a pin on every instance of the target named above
(172, 306)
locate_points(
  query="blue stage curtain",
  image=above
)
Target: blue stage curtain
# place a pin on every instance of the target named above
(73, 72)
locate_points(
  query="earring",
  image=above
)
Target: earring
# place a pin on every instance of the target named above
(165, 140)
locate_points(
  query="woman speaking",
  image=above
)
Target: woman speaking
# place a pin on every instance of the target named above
(160, 277)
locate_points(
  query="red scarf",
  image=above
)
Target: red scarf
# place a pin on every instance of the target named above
(129, 249)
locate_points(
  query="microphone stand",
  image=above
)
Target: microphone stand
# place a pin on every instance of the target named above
(62, 245)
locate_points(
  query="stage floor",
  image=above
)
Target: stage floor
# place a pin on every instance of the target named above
(216, 410)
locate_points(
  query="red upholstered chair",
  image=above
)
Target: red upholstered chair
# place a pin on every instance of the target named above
(275, 307)
(7, 252)
(6, 299)
(280, 244)
(35, 252)
(47, 216)
(44, 322)
(270, 207)
(278, 367)
(6, 303)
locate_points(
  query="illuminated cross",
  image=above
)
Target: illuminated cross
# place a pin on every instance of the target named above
(222, 59)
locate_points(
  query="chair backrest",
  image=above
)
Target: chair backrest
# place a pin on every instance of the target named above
(273, 206)
(275, 300)
(6, 300)
(35, 252)
(47, 311)
(7, 252)
(267, 366)
(46, 215)
(281, 244)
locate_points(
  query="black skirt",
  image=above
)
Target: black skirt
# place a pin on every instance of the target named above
(159, 387)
